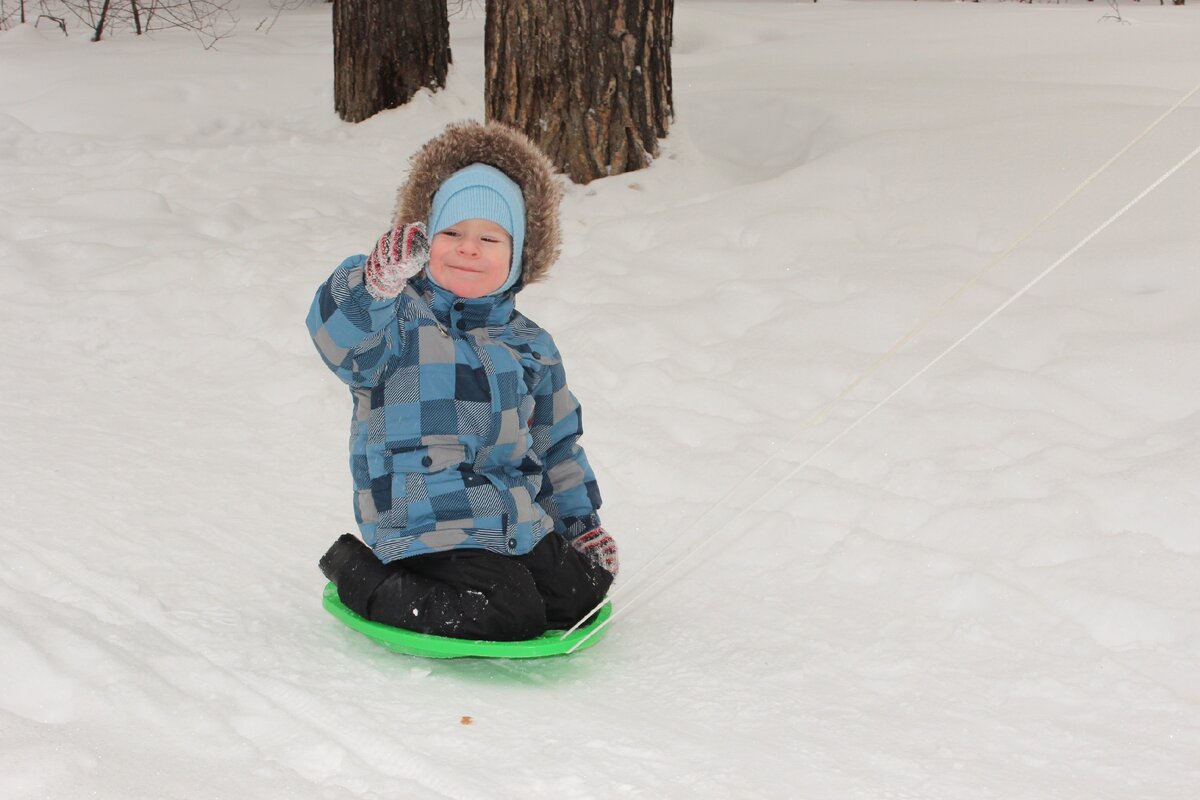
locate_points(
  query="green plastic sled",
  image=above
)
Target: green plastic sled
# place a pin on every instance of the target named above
(426, 645)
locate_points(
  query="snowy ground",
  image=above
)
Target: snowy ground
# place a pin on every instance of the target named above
(989, 589)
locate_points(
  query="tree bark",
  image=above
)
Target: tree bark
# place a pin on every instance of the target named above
(385, 51)
(588, 80)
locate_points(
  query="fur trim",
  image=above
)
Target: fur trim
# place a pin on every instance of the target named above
(508, 150)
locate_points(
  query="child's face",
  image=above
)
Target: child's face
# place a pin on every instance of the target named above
(471, 259)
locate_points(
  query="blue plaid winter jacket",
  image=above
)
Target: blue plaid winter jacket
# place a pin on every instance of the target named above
(464, 433)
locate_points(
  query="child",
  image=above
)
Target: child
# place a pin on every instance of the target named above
(470, 487)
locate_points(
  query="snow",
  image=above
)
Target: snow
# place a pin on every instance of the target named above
(988, 589)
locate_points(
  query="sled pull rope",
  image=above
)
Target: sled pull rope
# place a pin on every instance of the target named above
(824, 410)
(647, 585)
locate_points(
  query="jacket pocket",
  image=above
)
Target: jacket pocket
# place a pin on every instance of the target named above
(432, 458)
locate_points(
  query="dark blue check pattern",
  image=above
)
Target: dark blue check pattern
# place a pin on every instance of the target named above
(464, 432)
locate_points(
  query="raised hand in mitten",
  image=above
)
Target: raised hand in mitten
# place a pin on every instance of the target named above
(600, 548)
(398, 255)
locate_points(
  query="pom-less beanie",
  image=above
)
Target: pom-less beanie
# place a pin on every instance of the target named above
(481, 191)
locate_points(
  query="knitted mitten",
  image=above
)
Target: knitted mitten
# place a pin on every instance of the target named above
(600, 548)
(398, 255)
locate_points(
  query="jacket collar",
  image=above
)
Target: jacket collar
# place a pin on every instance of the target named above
(459, 314)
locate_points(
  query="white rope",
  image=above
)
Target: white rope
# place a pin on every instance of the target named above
(824, 410)
(870, 412)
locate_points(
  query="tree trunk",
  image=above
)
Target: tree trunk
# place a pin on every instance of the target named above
(100, 23)
(385, 51)
(588, 80)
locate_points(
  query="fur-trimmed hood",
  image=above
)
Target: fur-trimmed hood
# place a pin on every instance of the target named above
(508, 150)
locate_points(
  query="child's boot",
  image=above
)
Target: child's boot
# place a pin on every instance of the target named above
(356, 572)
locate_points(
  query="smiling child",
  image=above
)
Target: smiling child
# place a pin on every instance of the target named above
(477, 507)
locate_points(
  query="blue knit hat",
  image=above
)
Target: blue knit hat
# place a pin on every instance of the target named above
(481, 191)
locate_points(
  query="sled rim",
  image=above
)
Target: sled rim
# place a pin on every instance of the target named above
(425, 645)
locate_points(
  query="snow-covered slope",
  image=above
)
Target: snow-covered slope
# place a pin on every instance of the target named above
(988, 589)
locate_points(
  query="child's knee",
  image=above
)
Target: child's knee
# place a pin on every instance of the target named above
(513, 613)
(586, 595)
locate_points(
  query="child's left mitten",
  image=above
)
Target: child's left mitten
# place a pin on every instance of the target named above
(600, 548)
(399, 254)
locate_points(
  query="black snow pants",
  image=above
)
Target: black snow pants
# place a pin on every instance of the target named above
(470, 594)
